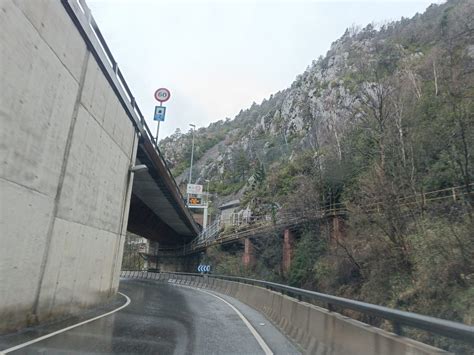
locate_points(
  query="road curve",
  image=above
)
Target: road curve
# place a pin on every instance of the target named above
(169, 319)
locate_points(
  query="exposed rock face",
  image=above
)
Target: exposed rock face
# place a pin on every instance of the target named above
(313, 114)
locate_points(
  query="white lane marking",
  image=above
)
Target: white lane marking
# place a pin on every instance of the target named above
(67, 328)
(266, 349)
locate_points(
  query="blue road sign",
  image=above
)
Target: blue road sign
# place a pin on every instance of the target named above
(160, 112)
(204, 268)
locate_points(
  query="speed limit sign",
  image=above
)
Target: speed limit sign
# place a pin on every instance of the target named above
(162, 95)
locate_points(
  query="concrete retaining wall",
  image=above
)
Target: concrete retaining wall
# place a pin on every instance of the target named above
(314, 329)
(66, 145)
(186, 263)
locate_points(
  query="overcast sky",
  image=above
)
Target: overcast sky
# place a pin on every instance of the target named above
(217, 57)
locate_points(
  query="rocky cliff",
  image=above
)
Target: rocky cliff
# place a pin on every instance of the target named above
(323, 103)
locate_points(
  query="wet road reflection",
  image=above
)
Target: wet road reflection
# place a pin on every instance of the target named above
(161, 319)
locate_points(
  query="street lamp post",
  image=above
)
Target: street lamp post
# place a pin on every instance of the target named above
(208, 181)
(192, 155)
(206, 209)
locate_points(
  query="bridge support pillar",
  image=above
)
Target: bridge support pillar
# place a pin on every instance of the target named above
(338, 228)
(248, 258)
(288, 244)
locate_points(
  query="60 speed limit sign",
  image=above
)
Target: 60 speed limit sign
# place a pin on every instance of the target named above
(162, 95)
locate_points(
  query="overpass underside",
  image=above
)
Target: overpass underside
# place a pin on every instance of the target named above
(157, 208)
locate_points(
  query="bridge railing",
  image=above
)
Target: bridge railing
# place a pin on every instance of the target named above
(398, 318)
(82, 17)
(255, 224)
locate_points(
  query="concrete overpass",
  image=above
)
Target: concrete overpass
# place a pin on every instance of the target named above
(157, 208)
(70, 132)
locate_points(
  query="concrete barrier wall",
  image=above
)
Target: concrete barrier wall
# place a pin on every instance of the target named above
(66, 146)
(314, 329)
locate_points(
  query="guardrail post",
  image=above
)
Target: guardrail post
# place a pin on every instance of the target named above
(397, 328)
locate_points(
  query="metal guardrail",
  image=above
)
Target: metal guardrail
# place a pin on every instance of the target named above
(398, 318)
(82, 17)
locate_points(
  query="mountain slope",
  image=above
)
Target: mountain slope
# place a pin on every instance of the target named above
(385, 117)
(325, 101)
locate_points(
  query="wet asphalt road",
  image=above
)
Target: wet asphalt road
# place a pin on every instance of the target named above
(168, 319)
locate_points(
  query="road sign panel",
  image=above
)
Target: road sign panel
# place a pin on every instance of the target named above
(194, 201)
(162, 94)
(194, 189)
(204, 268)
(160, 112)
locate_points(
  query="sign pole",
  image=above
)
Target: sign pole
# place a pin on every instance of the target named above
(157, 132)
(204, 222)
(192, 156)
(158, 127)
